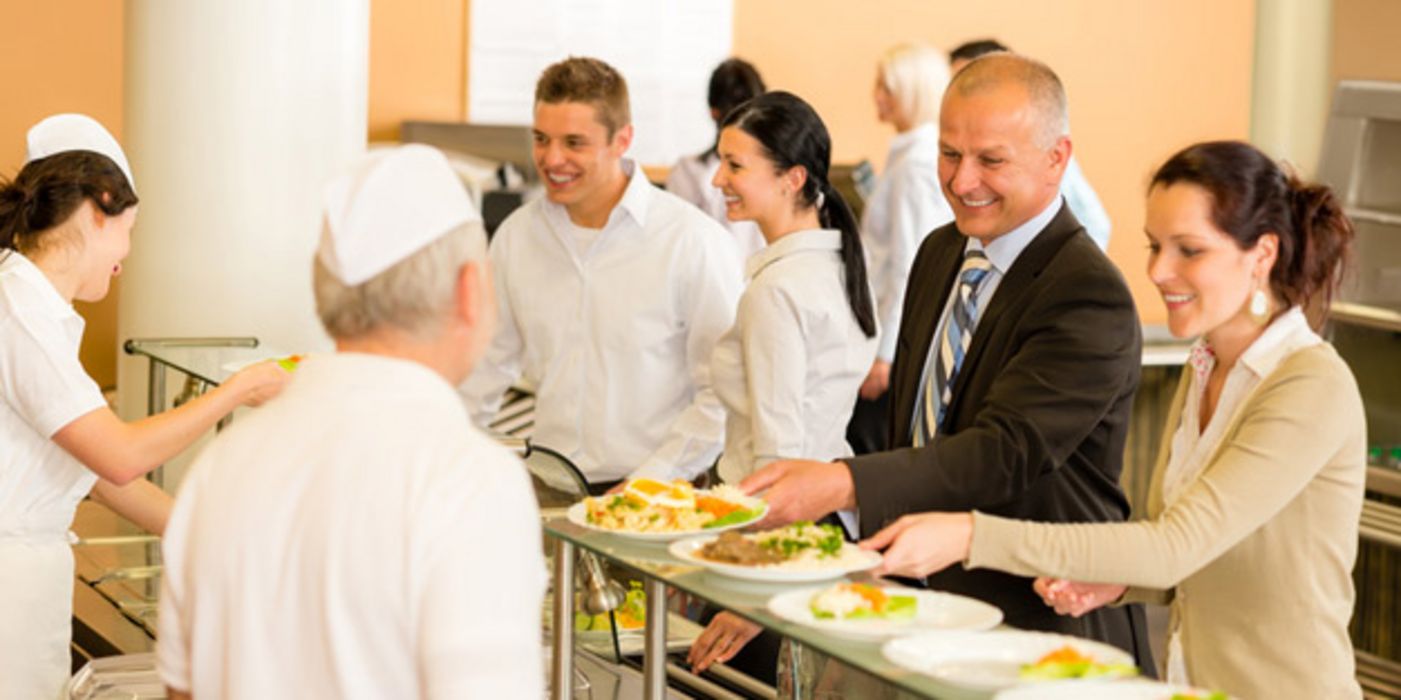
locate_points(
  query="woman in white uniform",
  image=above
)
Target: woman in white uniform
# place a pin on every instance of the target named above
(805, 333)
(65, 226)
(731, 84)
(905, 205)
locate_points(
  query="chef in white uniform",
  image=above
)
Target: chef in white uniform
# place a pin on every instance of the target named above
(65, 226)
(357, 538)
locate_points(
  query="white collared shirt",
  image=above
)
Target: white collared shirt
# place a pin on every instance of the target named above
(789, 370)
(905, 206)
(43, 388)
(1084, 203)
(1001, 253)
(354, 539)
(690, 180)
(615, 340)
(1192, 445)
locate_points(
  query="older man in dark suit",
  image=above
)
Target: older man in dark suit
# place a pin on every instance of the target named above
(1017, 359)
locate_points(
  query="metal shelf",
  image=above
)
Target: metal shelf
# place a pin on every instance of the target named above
(1355, 314)
(1376, 216)
(1384, 480)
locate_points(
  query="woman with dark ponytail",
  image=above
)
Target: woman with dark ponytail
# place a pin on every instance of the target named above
(65, 226)
(1251, 526)
(732, 83)
(805, 334)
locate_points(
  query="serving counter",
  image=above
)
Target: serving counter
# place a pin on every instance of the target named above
(661, 571)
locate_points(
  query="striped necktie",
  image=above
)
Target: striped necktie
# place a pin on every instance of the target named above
(953, 345)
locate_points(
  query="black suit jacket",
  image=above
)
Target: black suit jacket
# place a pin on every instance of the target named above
(1039, 412)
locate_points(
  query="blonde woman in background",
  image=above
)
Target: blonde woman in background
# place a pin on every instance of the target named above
(906, 204)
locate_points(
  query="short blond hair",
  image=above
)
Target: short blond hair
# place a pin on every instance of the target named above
(915, 75)
(592, 82)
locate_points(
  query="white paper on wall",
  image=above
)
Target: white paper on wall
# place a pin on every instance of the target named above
(665, 49)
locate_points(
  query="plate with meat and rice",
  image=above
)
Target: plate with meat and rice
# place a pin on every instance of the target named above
(797, 553)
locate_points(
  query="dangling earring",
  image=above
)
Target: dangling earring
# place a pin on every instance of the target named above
(1259, 306)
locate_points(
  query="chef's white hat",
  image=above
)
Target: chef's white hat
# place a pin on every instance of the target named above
(75, 132)
(389, 205)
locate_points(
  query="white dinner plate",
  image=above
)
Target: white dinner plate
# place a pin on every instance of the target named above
(851, 560)
(1133, 689)
(579, 515)
(989, 660)
(935, 610)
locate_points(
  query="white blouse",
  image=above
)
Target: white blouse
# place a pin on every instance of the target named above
(905, 206)
(789, 370)
(43, 388)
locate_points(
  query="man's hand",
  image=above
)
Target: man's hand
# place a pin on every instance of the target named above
(877, 380)
(1074, 598)
(726, 634)
(919, 545)
(801, 490)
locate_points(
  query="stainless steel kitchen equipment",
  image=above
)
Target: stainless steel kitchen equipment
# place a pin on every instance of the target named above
(1361, 160)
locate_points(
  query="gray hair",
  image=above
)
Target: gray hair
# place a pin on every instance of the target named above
(1044, 88)
(412, 296)
(915, 76)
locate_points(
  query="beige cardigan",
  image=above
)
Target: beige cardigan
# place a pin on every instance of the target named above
(1255, 557)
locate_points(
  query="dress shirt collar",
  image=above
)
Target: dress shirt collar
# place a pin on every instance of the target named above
(1285, 334)
(796, 242)
(1004, 250)
(903, 142)
(54, 305)
(637, 199)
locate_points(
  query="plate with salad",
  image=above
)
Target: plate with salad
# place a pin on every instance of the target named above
(649, 509)
(798, 553)
(872, 612)
(1005, 658)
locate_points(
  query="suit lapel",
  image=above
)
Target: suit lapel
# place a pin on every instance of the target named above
(1015, 286)
(932, 282)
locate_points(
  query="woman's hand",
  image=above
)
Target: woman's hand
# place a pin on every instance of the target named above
(722, 639)
(1074, 598)
(259, 383)
(919, 545)
(877, 380)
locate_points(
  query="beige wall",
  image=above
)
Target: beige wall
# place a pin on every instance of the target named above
(1144, 79)
(64, 56)
(418, 63)
(1366, 40)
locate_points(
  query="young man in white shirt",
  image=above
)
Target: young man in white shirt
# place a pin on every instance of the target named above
(352, 539)
(611, 293)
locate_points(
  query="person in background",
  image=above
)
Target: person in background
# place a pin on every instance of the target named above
(789, 369)
(1017, 361)
(1252, 523)
(731, 83)
(333, 544)
(906, 204)
(612, 294)
(65, 227)
(1078, 192)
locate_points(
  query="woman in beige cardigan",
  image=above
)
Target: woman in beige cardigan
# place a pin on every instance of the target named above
(1252, 520)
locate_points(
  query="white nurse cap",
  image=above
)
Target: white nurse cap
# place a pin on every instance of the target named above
(75, 132)
(389, 205)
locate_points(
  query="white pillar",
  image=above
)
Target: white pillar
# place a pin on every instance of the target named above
(236, 114)
(1290, 92)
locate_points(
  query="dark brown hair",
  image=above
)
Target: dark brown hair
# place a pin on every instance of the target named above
(791, 134)
(591, 81)
(47, 191)
(1251, 195)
